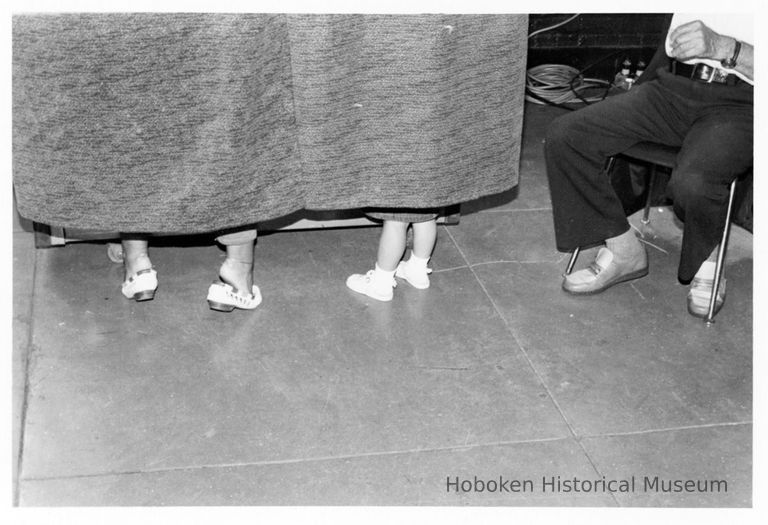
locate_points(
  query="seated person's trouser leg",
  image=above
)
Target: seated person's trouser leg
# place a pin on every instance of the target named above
(717, 149)
(585, 206)
(712, 124)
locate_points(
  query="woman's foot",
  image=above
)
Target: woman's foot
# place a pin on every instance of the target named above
(140, 281)
(223, 298)
(236, 273)
(236, 289)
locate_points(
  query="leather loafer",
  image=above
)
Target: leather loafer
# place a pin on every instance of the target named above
(700, 294)
(603, 273)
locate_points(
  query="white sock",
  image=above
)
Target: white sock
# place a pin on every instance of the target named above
(418, 262)
(382, 276)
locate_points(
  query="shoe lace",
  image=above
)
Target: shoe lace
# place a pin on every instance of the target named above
(369, 278)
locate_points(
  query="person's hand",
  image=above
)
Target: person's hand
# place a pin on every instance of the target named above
(696, 40)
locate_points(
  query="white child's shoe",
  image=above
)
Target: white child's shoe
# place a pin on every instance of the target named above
(223, 298)
(141, 286)
(375, 285)
(418, 277)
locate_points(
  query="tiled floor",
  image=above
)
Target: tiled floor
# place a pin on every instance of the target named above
(324, 397)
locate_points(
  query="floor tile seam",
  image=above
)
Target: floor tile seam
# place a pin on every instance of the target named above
(25, 391)
(512, 261)
(514, 335)
(593, 463)
(295, 461)
(629, 433)
(520, 346)
(533, 368)
(580, 441)
(451, 269)
(473, 265)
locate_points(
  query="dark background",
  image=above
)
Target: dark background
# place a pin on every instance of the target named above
(601, 41)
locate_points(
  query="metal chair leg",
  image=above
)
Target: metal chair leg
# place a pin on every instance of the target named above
(710, 319)
(574, 255)
(651, 184)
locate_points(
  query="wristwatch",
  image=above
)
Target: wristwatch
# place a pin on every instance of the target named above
(730, 63)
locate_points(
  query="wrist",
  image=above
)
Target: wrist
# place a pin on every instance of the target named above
(724, 49)
(732, 50)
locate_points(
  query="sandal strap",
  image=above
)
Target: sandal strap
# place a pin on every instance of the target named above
(234, 292)
(139, 273)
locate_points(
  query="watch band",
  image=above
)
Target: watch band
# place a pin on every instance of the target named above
(731, 62)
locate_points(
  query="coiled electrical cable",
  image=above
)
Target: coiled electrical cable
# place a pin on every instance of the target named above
(560, 84)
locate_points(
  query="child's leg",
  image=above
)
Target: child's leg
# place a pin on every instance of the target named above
(424, 238)
(391, 245)
(378, 283)
(415, 270)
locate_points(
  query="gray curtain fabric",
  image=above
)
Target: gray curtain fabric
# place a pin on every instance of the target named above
(192, 123)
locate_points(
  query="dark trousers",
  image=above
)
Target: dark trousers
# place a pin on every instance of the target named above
(711, 123)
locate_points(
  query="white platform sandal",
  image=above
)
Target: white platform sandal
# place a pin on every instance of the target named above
(141, 286)
(222, 297)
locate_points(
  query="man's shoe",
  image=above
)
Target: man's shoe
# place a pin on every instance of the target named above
(604, 272)
(700, 294)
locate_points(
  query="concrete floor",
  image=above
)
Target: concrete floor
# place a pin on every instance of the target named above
(324, 397)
